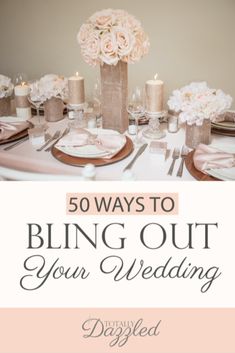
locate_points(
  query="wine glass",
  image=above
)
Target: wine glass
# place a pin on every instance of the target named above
(136, 108)
(97, 108)
(93, 106)
(36, 99)
(19, 78)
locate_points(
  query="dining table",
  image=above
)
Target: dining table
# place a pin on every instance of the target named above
(148, 166)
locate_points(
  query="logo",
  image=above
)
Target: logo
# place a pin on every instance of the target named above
(118, 333)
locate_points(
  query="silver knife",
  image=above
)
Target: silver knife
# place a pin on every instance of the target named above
(16, 143)
(139, 152)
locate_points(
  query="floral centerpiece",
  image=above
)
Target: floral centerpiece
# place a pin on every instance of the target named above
(6, 89)
(6, 86)
(110, 36)
(198, 106)
(49, 86)
(112, 39)
(51, 90)
(197, 102)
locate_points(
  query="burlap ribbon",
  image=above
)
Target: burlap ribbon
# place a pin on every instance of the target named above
(22, 102)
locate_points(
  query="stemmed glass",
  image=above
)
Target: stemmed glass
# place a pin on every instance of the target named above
(19, 78)
(93, 107)
(97, 103)
(36, 100)
(37, 105)
(136, 108)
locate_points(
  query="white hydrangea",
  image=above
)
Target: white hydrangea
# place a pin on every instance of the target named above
(49, 86)
(6, 86)
(197, 102)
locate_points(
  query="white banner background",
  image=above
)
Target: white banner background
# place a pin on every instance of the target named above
(42, 202)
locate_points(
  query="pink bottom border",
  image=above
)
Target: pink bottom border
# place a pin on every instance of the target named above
(60, 330)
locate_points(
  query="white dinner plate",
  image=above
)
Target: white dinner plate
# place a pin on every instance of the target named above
(10, 119)
(90, 151)
(225, 125)
(227, 174)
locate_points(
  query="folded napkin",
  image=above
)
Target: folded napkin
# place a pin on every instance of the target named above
(8, 130)
(228, 116)
(208, 157)
(110, 143)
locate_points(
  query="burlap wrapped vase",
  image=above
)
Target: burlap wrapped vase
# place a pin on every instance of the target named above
(53, 109)
(114, 90)
(5, 106)
(196, 134)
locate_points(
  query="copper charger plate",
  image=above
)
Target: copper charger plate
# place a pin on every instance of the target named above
(196, 173)
(98, 162)
(16, 137)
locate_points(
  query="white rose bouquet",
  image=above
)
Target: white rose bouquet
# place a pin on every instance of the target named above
(6, 86)
(110, 36)
(49, 86)
(197, 102)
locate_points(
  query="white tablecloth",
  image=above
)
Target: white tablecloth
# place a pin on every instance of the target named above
(147, 167)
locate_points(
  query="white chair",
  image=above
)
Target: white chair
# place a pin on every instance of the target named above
(88, 174)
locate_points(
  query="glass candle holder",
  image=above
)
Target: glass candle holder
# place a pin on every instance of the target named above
(173, 123)
(37, 136)
(132, 128)
(76, 117)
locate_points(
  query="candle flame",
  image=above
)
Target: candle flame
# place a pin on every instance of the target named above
(156, 76)
(23, 83)
(77, 73)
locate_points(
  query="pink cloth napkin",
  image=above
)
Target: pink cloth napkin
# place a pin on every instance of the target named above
(8, 130)
(228, 116)
(208, 157)
(111, 143)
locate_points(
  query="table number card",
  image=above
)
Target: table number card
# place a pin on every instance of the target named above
(126, 267)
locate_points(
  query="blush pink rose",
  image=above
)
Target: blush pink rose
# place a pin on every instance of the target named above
(140, 48)
(92, 47)
(109, 49)
(103, 19)
(125, 41)
(84, 33)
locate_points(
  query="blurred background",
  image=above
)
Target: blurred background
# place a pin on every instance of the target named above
(190, 40)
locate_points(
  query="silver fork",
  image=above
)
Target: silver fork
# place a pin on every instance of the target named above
(48, 149)
(184, 153)
(53, 137)
(175, 155)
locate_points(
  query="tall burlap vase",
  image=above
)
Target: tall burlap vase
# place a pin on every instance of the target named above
(114, 90)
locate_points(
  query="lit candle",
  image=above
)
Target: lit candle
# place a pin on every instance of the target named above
(76, 90)
(23, 109)
(154, 90)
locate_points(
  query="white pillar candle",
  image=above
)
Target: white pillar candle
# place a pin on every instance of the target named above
(23, 109)
(76, 90)
(154, 91)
